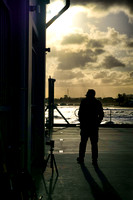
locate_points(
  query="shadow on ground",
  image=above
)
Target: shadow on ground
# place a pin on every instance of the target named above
(107, 192)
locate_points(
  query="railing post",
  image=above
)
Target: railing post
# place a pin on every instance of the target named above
(51, 103)
(110, 115)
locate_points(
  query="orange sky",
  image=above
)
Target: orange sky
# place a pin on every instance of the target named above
(91, 47)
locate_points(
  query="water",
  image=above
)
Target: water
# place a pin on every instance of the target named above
(116, 115)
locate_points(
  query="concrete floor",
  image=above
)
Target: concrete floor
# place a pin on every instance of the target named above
(112, 180)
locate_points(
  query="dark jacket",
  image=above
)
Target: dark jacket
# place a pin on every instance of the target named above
(90, 113)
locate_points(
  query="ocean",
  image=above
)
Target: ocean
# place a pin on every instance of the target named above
(116, 115)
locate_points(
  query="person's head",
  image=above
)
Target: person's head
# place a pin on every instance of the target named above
(90, 93)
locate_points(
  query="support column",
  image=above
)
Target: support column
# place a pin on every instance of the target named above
(51, 103)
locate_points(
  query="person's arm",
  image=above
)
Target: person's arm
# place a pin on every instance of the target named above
(79, 113)
(101, 113)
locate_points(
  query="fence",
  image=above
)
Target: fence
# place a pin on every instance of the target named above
(111, 115)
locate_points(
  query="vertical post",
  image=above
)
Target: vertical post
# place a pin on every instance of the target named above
(51, 103)
(110, 115)
(40, 81)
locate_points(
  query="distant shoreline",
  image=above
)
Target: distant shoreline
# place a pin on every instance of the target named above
(104, 105)
(122, 101)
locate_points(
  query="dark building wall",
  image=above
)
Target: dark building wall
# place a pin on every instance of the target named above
(4, 79)
(22, 78)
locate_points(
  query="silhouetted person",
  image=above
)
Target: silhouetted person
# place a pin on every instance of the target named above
(90, 117)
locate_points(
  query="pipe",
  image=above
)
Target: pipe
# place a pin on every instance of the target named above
(60, 13)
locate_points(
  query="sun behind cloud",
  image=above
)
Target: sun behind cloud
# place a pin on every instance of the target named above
(89, 50)
(64, 24)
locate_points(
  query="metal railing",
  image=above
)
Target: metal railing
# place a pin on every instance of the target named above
(118, 114)
(111, 116)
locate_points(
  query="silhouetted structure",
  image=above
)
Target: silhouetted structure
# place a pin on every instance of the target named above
(90, 117)
(22, 85)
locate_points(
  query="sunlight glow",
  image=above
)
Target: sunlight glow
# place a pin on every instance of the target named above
(64, 24)
(53, 9)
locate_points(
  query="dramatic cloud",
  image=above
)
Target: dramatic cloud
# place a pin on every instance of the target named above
(99, 51)
(67, 75)
(101, 8)
(108, 77)
(95, 43)
(130, 44)
(92, 46)
(131, 74)
(104, 3)
(100, 75)
(74, 38)
(115, 79)
(70, 60)
(111, 62)
(110, 37)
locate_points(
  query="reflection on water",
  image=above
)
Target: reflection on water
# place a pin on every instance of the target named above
(116, 115)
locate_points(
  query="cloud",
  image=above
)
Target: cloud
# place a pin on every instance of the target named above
(107, 77)
(116, 78)
(130, 44)
(96, 51)
(74, 38)
(99, 51)
(93, 50)
(131, 74)
(70, 60)
(101, 8)
(111, 37)
(100, 75)
(92, 43)
(111, 62)
(96, 39)
(67, 75)
(99, 39)
(104, 3)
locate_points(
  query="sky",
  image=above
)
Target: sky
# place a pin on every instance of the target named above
(91, 48)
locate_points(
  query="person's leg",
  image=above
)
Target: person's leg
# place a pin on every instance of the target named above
(94, 146)
(82, 147)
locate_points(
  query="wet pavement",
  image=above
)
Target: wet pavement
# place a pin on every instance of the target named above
(112, 179)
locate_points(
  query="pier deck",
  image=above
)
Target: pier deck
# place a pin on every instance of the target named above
(113, 179)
